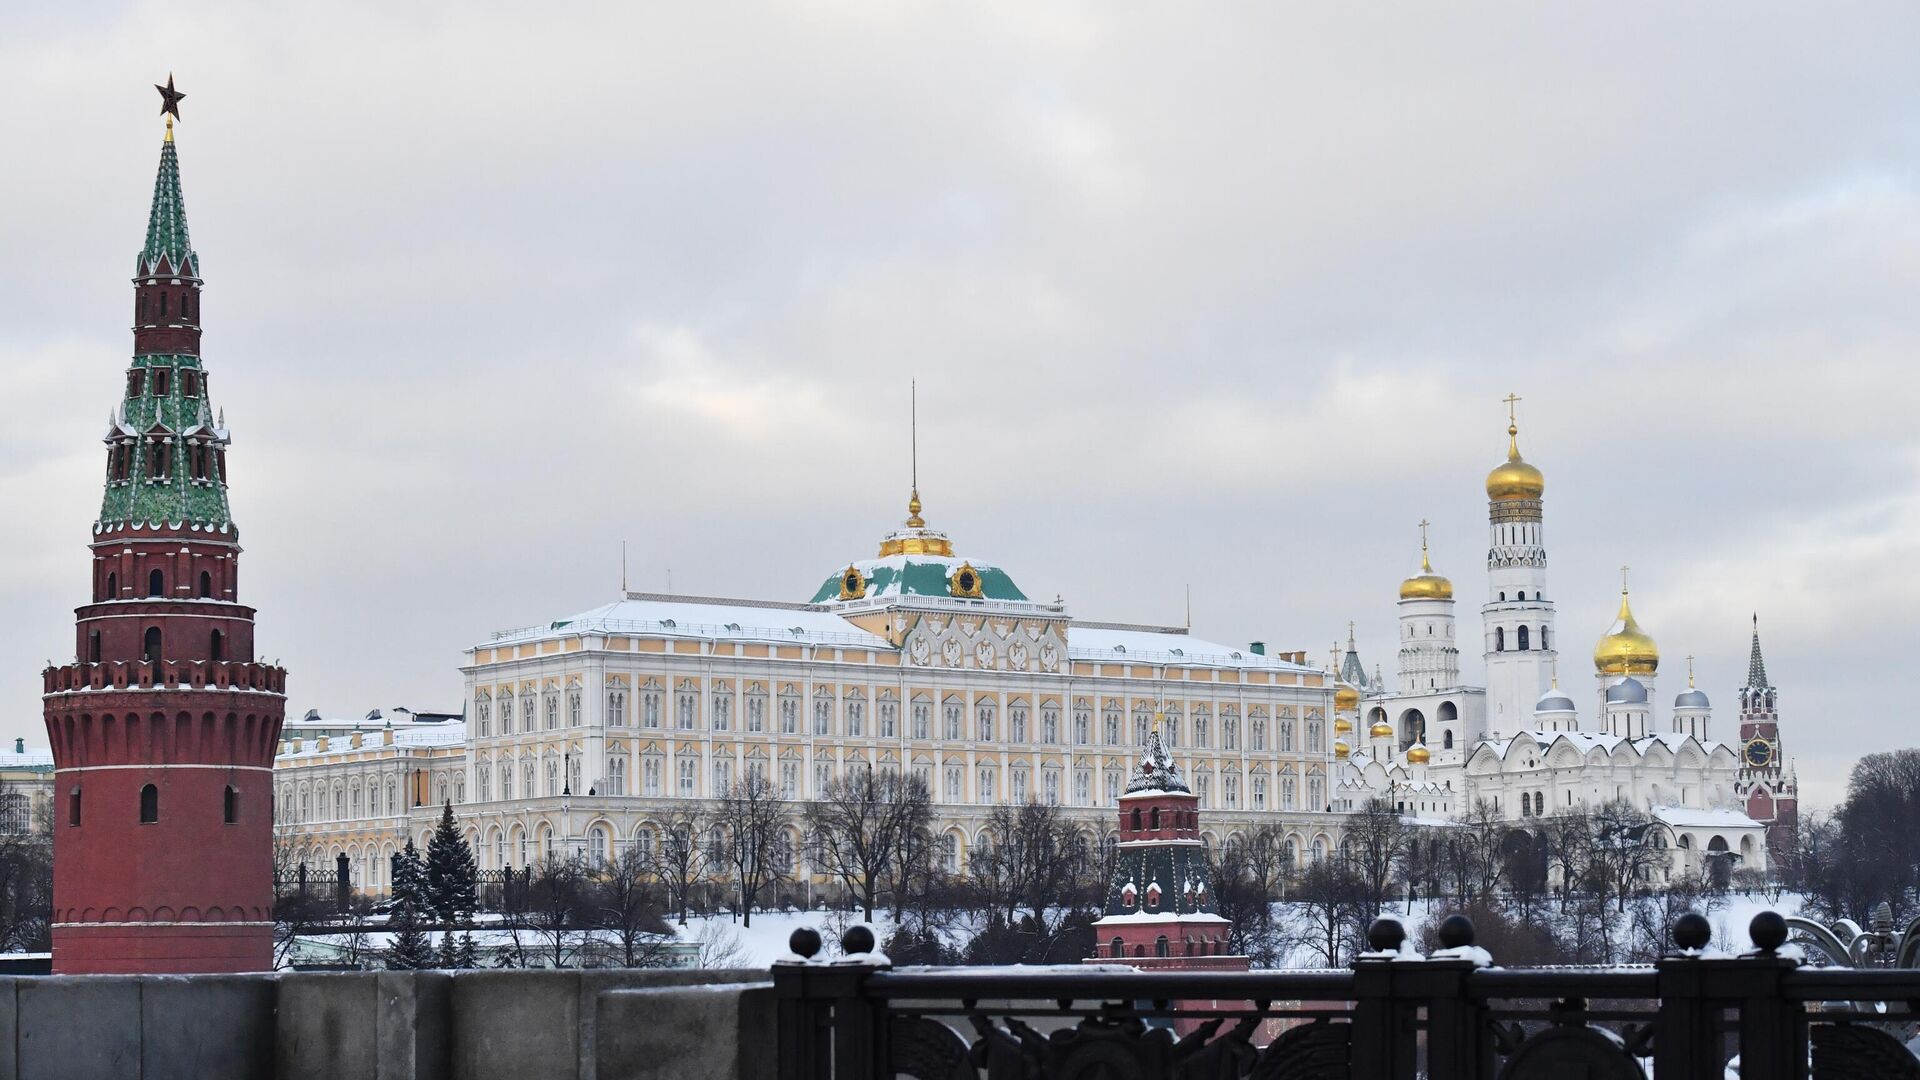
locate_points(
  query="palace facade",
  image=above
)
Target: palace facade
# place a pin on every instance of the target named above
(583, 733)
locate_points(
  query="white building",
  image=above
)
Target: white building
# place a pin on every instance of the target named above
(1433, 745)
(585, 733)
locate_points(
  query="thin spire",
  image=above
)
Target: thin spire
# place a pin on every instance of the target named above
(1426, 565)
(623, 568)
(914, 520)
(1689, 672)
(1756, 664)
(1513, 427)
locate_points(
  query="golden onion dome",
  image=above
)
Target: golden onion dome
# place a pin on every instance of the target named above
(1346, 697)
(1418, 755)
(1514, 478)
(1381, 730)
(1341, 750)
(1342, 726)
(1626, 649)
(1426, 585)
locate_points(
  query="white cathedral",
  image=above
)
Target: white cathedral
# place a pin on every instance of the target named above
(1433, 746)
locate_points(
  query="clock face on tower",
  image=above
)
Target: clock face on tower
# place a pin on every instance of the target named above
(1759, 753)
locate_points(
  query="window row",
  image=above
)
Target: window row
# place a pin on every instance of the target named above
(192, 383)
(150, 805)
(986, 724)
(205, 462)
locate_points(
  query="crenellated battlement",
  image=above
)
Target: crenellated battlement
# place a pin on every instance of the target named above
(166, 675)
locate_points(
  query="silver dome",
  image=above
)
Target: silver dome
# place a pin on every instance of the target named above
(1553, 701)
(1628, 691)
(1692, 698)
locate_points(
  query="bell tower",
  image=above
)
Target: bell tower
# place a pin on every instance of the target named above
(1521, 642)
(163, 727)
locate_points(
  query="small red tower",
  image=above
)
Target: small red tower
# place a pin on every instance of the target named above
(1159, 911)
(164, 726)
(1766, 782)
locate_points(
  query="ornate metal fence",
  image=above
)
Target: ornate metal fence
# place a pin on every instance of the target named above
(1392, 1016)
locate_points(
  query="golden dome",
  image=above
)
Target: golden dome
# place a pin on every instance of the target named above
(1381, 730)
(1345, 697)
(1342, 726)
(1418, 755)
(1626, 649)
(1426, 585)
(1514, 478)
(1341, 750)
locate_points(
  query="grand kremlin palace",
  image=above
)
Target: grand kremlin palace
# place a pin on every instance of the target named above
(584, 733)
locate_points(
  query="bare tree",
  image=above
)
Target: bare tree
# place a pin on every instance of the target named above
(679, 861)
(626, 903)
(556, 905)
(1375, 847)
(26, 876)
(858, 825)
(754, 819)
(1328, 904)
(1247, 879)
(1032, 885)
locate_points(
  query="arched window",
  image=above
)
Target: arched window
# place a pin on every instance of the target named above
(1119, 948)
(1160, 945)
(206, 585)
(113, 587)
(93, 646)
(1446, 740)
(163, 305)
(1499, 639)
(157, 583)
(1543, 640)
(149, 805)
(150, 650)
(230, 807)
(1136, 819)
(1155, 817)
(1520, 639)
(218, 651)
(73, 806)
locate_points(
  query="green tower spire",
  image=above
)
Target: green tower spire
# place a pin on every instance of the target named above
(166, 446)
(167, 221)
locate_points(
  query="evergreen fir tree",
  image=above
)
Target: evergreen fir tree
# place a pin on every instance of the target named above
(447, 957)
(409, 886)
(466, 956)
(452, 877)
(410, 951)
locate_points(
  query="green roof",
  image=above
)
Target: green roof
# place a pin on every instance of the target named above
(167, 221)
(918, 575)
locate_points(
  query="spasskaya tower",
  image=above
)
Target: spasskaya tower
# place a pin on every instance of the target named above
(164, 725)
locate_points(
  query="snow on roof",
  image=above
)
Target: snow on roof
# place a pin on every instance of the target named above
(1585, 741)
(1165, 646)
(19, 756)
(453, 733)
(706, 619)
(1688, 817)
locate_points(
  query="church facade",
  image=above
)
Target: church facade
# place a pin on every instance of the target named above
(1434, 746)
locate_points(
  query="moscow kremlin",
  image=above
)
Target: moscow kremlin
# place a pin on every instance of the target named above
(176, 771)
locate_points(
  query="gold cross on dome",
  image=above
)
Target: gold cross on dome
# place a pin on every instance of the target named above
(1423, 533)
(1511, 399)
(1623, 578)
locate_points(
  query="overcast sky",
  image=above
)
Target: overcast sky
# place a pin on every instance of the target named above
(1218, 295)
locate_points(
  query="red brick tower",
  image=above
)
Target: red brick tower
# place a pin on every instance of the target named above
(1766, 781)
(163, 728)
(1159, 911)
